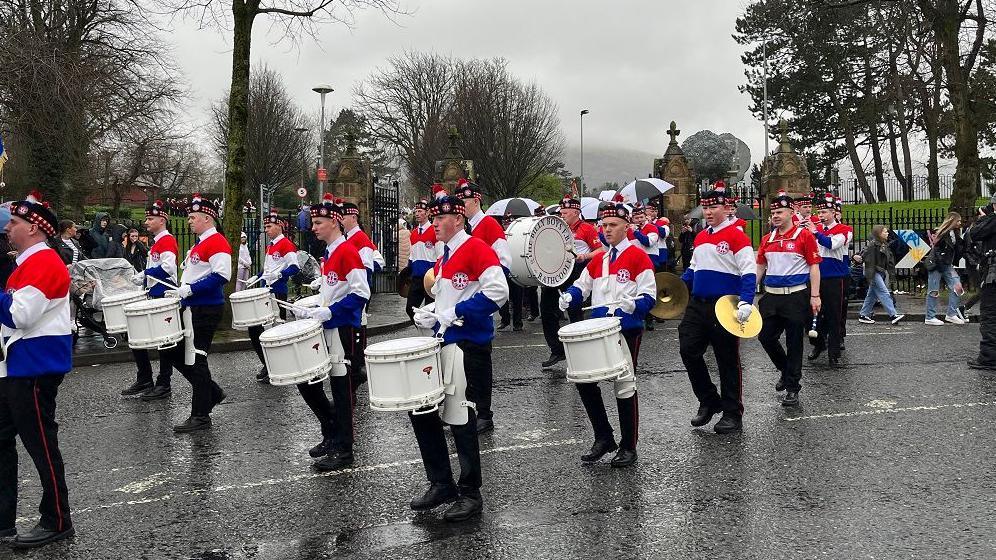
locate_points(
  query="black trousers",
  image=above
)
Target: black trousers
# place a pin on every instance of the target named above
(336, 416)
(629, 410)
(254, 332)
(206, 393)
(698, 330)
(785, 313)
(417, 297)
(514, 304)
(429, 428)
(987, 325)
(27, 410)
(532, 300)
(550, 311)
(843, 311)
(829, 322)
(144, 364)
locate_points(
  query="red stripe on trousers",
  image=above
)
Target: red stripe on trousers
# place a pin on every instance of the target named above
(48, 457)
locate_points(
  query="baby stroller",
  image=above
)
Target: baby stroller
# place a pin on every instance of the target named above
(308, 269)
(90, 282)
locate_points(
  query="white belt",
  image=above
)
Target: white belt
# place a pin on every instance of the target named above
(788, 290)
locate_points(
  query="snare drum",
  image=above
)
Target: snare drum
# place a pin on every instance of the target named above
(154, 323)
(252, 307)
(595, 350)
(113, 309)
(295, 352)
(310, 302)
(404, 374)
(539, 247)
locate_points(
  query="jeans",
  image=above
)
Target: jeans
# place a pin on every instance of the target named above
(878, 290)
(953, 282)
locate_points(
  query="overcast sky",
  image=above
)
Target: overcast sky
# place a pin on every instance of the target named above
(636, 65)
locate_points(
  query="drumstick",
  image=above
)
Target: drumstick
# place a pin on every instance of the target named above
(163, 282)
(812, 330)
(292, 307)
(458, 322)
(260, 277)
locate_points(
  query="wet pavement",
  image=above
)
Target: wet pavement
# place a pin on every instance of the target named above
(888, 457)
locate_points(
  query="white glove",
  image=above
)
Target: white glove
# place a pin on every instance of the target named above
(185, 291)
(271, 278)
(251, 280)
(171, 294)
(320, 314)
(447, 317)
(627, 306)
(316, 284)
(424, 320)
(565, 301)
(744, 310)
(138, 279)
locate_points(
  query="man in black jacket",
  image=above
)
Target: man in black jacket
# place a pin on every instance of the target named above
(982, 239)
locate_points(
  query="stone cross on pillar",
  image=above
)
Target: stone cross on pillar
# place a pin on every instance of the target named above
(673, 132)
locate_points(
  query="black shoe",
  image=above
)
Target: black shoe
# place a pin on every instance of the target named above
(192, 424)
(896, 318)
(517, 328)
(841, 345)
(791, 399)
(320, 450)
(435, 496)
(334, 461)
(623, 458)
(358, 379)
(975, 363)
(485, 425)
(464, 508)
(780, 386)
(530, 317)
(136, 388)
(599, 449)
(7, 535)
(649, 326)
(553, 359)
(157, 392)
(503, 325)
(704, 415)
(728, 423)
(40, 536)
(834, 362)
(817, 350)
(220, 398)
(263, 376)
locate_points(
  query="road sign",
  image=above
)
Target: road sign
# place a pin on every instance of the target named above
(302, 192)
(323, 175)
(918, 248)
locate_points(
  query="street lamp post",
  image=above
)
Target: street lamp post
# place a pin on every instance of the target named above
(322, 90)
(583, 113)
(764, 51)
(304, 164)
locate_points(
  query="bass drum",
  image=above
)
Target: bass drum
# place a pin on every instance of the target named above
(542, 251)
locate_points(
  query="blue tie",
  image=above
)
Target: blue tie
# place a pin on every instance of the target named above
(446, 253)
(612, 255)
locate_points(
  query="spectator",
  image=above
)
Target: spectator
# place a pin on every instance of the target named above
(245, 263)
(947, 246)
(879, 263)
(100, 237)
(135, 251)
(67, 246)
(687, 241)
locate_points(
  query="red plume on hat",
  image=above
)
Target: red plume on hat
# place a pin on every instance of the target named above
(462, 183)
(34, 196)
(438, 191)
(618, 198)
(782, 193)
(720, 186)
(338, 201)
(327, 197)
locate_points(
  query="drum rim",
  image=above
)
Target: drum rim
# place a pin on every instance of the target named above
(307, 375)
(118, 299)
(310, 330)
(147, 343)
(617, 325)
(427, 399)
(249, 294)
(151, 305)
(430, 342)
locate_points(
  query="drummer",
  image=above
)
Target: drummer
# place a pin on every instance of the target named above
(372, 262)
(722, 264)
(648, 238)
(586, 243)
(470, 285)
(344, 292)
(423, 254)
(278, 266)
(162, 266)
(208, 267)
(621, 284)
(663, 226)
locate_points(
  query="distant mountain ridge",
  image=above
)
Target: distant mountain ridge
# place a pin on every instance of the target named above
(613, 165)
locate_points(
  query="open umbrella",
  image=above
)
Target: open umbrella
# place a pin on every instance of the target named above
(743, 211)
(607, 196)
(589, 208)
(645, 189)
(516, 207)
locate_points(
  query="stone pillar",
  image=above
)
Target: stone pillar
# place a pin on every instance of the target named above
(674, 168)
(353, 179)
(454, 166)
(785, 170)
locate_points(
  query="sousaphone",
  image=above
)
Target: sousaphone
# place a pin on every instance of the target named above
(672, 296)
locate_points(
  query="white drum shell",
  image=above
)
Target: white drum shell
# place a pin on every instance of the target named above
(404, 374)
(295, 352)
(539, 248)
(113, 309)
(252, 307)
(596, 350)
(310, 302)
(154, 323)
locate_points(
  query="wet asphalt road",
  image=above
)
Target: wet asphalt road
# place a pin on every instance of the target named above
(889, 457)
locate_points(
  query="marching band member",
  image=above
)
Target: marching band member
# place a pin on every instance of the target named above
(488, 230)
(791, 259)
(470, 285)
(208, 267)
(424, 252)
(161, 265)
(846, 257)
(722, 264)
(34, 313)
(586, 243)
(344, 293)
(738, 223)
(623, 274)
(831, 238)
(663, 232)
(647, 238)
(279, 265)
(804, 209)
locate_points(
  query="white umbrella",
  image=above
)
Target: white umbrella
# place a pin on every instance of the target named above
(607, 196)
(645, 189)
(517, 207)
(589, 208)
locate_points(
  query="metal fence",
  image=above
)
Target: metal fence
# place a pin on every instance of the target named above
(850, 193)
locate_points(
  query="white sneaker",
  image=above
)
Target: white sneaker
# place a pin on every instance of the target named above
(933, 321)
(954, 319)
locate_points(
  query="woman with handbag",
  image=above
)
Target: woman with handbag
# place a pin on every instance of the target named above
(946, 247)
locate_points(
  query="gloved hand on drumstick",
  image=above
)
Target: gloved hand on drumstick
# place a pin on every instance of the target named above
(320, 314)
(183, 292)
(424, 320)
(626, 305)
(446, 318)
(251, 280)
(138, 278)
(271, 278)
(744, 310)
(566, 299)
(316, 284)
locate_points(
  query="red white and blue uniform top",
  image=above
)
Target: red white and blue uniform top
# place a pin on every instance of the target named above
(585, 237)
(740, 224)
(623, 272)
(832, 241)
(344, 284)
(372, 259)
(488, 230)
(207, 268)
(470, 279)
(648, 237)
(36, 305)
(424, 249)
(664, 230)
(722, 264)
(281, 259)
(162, 263)
(788, 257)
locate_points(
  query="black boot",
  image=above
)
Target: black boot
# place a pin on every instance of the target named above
(817, 350)
(624, 458)
(464, 508)
(136, 388)
(263, 376)
(334, 461)
(193, 424)
(730, 422)
(157, 392)
(437, 495)
(704, 415)
(629, 422)
(553, 359)
(485, 425)
(791, 398)
(599, 449)
(40, 536)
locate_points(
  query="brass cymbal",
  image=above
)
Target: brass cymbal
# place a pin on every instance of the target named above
(404, 281)
(726, 313)
(672, 296)
(428, 280)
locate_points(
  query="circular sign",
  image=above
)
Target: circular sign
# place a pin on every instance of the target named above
(302, 192)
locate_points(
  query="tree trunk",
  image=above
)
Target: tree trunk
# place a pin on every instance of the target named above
(876, 149)
(900, 176)
(852, 148)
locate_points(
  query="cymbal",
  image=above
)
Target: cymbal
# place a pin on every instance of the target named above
(672, 296)
(404, 281)
(428, 280)
(726, 313)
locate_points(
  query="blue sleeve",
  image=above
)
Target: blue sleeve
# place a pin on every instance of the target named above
(348, 305)
(660, 232)
(601, 238)
(370, 279)
(644, 304)
(642, 238)
(289, 271)
(478, 305)
(823, 239)
(689, 277)
(748, 286)
(209, 283)
(576, 296)
(6, 300)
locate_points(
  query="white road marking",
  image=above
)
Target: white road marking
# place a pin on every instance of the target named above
(889, 333)
(146, 484)
(881, 403)
(923, 408)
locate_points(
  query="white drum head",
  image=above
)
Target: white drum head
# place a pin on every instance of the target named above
(546, 248)
(251, 293)
(127, 296)
(310, 301)
(402, 346)
(151, 305)
(290, 329)
(590, 326)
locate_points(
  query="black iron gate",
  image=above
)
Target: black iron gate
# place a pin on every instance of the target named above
(384, 215)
